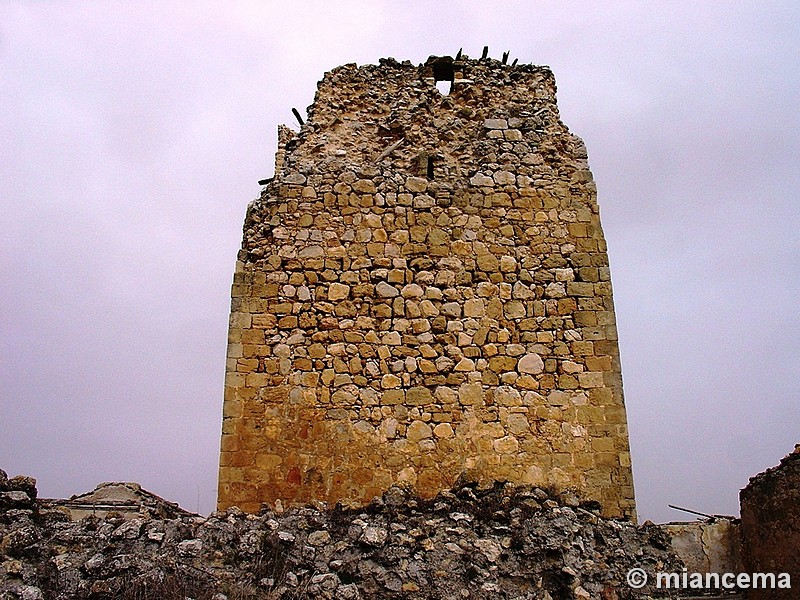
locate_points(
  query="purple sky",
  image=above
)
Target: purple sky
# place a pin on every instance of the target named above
(132, 136)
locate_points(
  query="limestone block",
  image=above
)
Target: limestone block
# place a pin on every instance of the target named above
(366, 186)
(412, 290)
(531, 363)
(451, 309)
(488, 263)
(517, 424)
(515, 309)
(591, 379)
(506, 445)
(418, 430)
(479, 179)
(505, 178)
(443, 430)
(508, 264)
(416, 184)
(390, 381)
(495, 124)
(465, 364)
(384, 290)
(470, 393)
(338, 291)
(294, 179)
(507, 396)
(419, 396)
(311, 252)
(474, 308)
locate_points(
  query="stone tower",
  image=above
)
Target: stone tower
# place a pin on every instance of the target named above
(423, 295)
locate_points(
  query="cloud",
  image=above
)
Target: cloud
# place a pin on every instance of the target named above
(134, 136)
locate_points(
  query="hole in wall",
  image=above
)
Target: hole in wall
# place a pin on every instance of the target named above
(443, 74)
(430, 167)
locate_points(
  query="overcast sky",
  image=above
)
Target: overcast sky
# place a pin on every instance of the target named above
(132, 136)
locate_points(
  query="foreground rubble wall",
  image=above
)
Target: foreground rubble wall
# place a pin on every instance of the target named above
(770, 508)
(505, 542)
(423, 296)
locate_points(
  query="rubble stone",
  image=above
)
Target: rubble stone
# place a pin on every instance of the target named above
(499, 542)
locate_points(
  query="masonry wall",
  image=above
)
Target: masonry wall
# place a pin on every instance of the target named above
(770, 507)
(422, 296)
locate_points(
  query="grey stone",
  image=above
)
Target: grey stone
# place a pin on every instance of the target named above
(495, 124)
(384, 290)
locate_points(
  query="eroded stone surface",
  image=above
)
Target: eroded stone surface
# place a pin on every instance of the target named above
(413, 241)
(770, 506)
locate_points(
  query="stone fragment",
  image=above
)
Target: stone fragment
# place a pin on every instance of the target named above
(443, 430)
(392, 338)
(517, 424)
(470, 393)
(506, 445)
(418, 430)
(474, 307)
(495, 124)
(390, 381)
(508, 264)
(515, 309)
(465, 364)
(311, 252)
(412, 290)
(416, 184)
(531, 363)
(507, 396)
(451, 309)
(505, 178)
(384, 290)
(419, 396)
(338, 291)
(479, 179)
(555, 290)
(294, 179)
(488, 263)
(190, 547)
(365, 186)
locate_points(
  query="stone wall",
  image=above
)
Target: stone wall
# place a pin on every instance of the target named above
(770, 507)
(710, 546)
(423, 296)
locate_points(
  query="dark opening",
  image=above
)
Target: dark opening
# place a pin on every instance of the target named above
(443, 69)
(430, 167)
(443, 73)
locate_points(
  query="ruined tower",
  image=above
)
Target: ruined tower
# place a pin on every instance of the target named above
(423, 295)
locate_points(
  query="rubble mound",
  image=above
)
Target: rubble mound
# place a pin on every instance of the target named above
(510, 542)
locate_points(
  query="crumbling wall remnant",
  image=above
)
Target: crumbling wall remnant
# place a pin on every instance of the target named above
(423, 296)
(710, 546)
(770, 507)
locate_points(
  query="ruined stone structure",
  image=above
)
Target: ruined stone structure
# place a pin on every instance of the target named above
(770, 506)
(422, 296)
